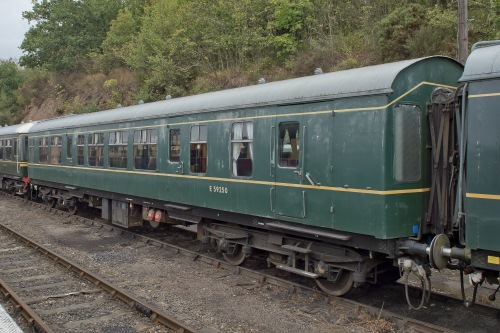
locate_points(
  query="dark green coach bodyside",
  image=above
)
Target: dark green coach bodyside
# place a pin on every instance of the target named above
(482, 205)
(13, 157)
(339, 127)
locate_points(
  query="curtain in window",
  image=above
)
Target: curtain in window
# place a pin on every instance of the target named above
(249, 126)
(237, 135)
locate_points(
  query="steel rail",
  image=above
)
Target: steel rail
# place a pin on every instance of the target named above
(34, 321)
(402, 322)
(132, 301)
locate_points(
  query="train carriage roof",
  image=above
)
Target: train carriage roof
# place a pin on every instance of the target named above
(483, 63)
(16, 129)
(363, 81)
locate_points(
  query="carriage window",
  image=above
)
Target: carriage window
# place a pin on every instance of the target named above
(69, 146)
(407, 141)
(24, 152)
(14, 148)
(145, 149)
(8, 149)
(55, 150)
(175, 145)
(118, 149)
(80, 149)
(289, 144)
(43, 150)
(31, 157)
(95, 151)
(198, 149)
(242, 148)
(1, 149)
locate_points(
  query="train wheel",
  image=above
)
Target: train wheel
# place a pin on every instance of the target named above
(51, 202)
(72, 210)
(237, 258)
(338, 288)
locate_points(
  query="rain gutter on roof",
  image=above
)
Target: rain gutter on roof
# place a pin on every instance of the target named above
(385, 91)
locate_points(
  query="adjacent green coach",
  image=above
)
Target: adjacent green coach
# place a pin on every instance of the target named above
(13, 157)
(482, 205)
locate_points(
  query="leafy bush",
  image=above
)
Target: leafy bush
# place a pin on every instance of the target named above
(11, 78)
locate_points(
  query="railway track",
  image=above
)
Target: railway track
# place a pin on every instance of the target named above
(54, 294)
(381, 303)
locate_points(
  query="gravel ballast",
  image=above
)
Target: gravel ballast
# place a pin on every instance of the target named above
(207, 298)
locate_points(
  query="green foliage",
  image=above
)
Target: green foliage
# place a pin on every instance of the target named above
(290, 18)
(115, 98)
(11, 78)
(433, 36)
(484, 19)
(119, 39)
(64, 32)
(77, 105)
(397, 28)
(180, 47)
(163, 54)
(34, 88)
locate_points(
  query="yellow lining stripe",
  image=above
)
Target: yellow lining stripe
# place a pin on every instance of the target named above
(266, 116)
(13, 162)
(484, 95)
(246, 181)
(493, 260)
(483, 196)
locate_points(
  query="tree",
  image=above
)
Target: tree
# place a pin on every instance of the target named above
(122, 31)
(164, 55)
(396, 29)
(290, 19)
(66, 31)
(11, 78)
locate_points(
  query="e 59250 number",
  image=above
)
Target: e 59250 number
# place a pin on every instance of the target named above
(218, 189)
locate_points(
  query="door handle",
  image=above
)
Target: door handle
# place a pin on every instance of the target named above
(308, 177)
(298, 173)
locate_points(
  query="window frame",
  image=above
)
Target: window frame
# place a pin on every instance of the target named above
(399, 149)
(170, 145)
(145, 138)
(31, 150)
(15, 150)
(54, 147)
(281, 146)
(43, 142)
(198, 142)
(97, 145)
(80, 146)
(123, 144)
(249, 147)
(70, 138)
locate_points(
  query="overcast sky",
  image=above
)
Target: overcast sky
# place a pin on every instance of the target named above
(12, 27)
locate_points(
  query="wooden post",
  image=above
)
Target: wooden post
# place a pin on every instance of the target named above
(463, 36)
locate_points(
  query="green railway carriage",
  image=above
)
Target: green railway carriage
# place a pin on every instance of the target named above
(307, 169)
(13, 157)
(482, 204)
